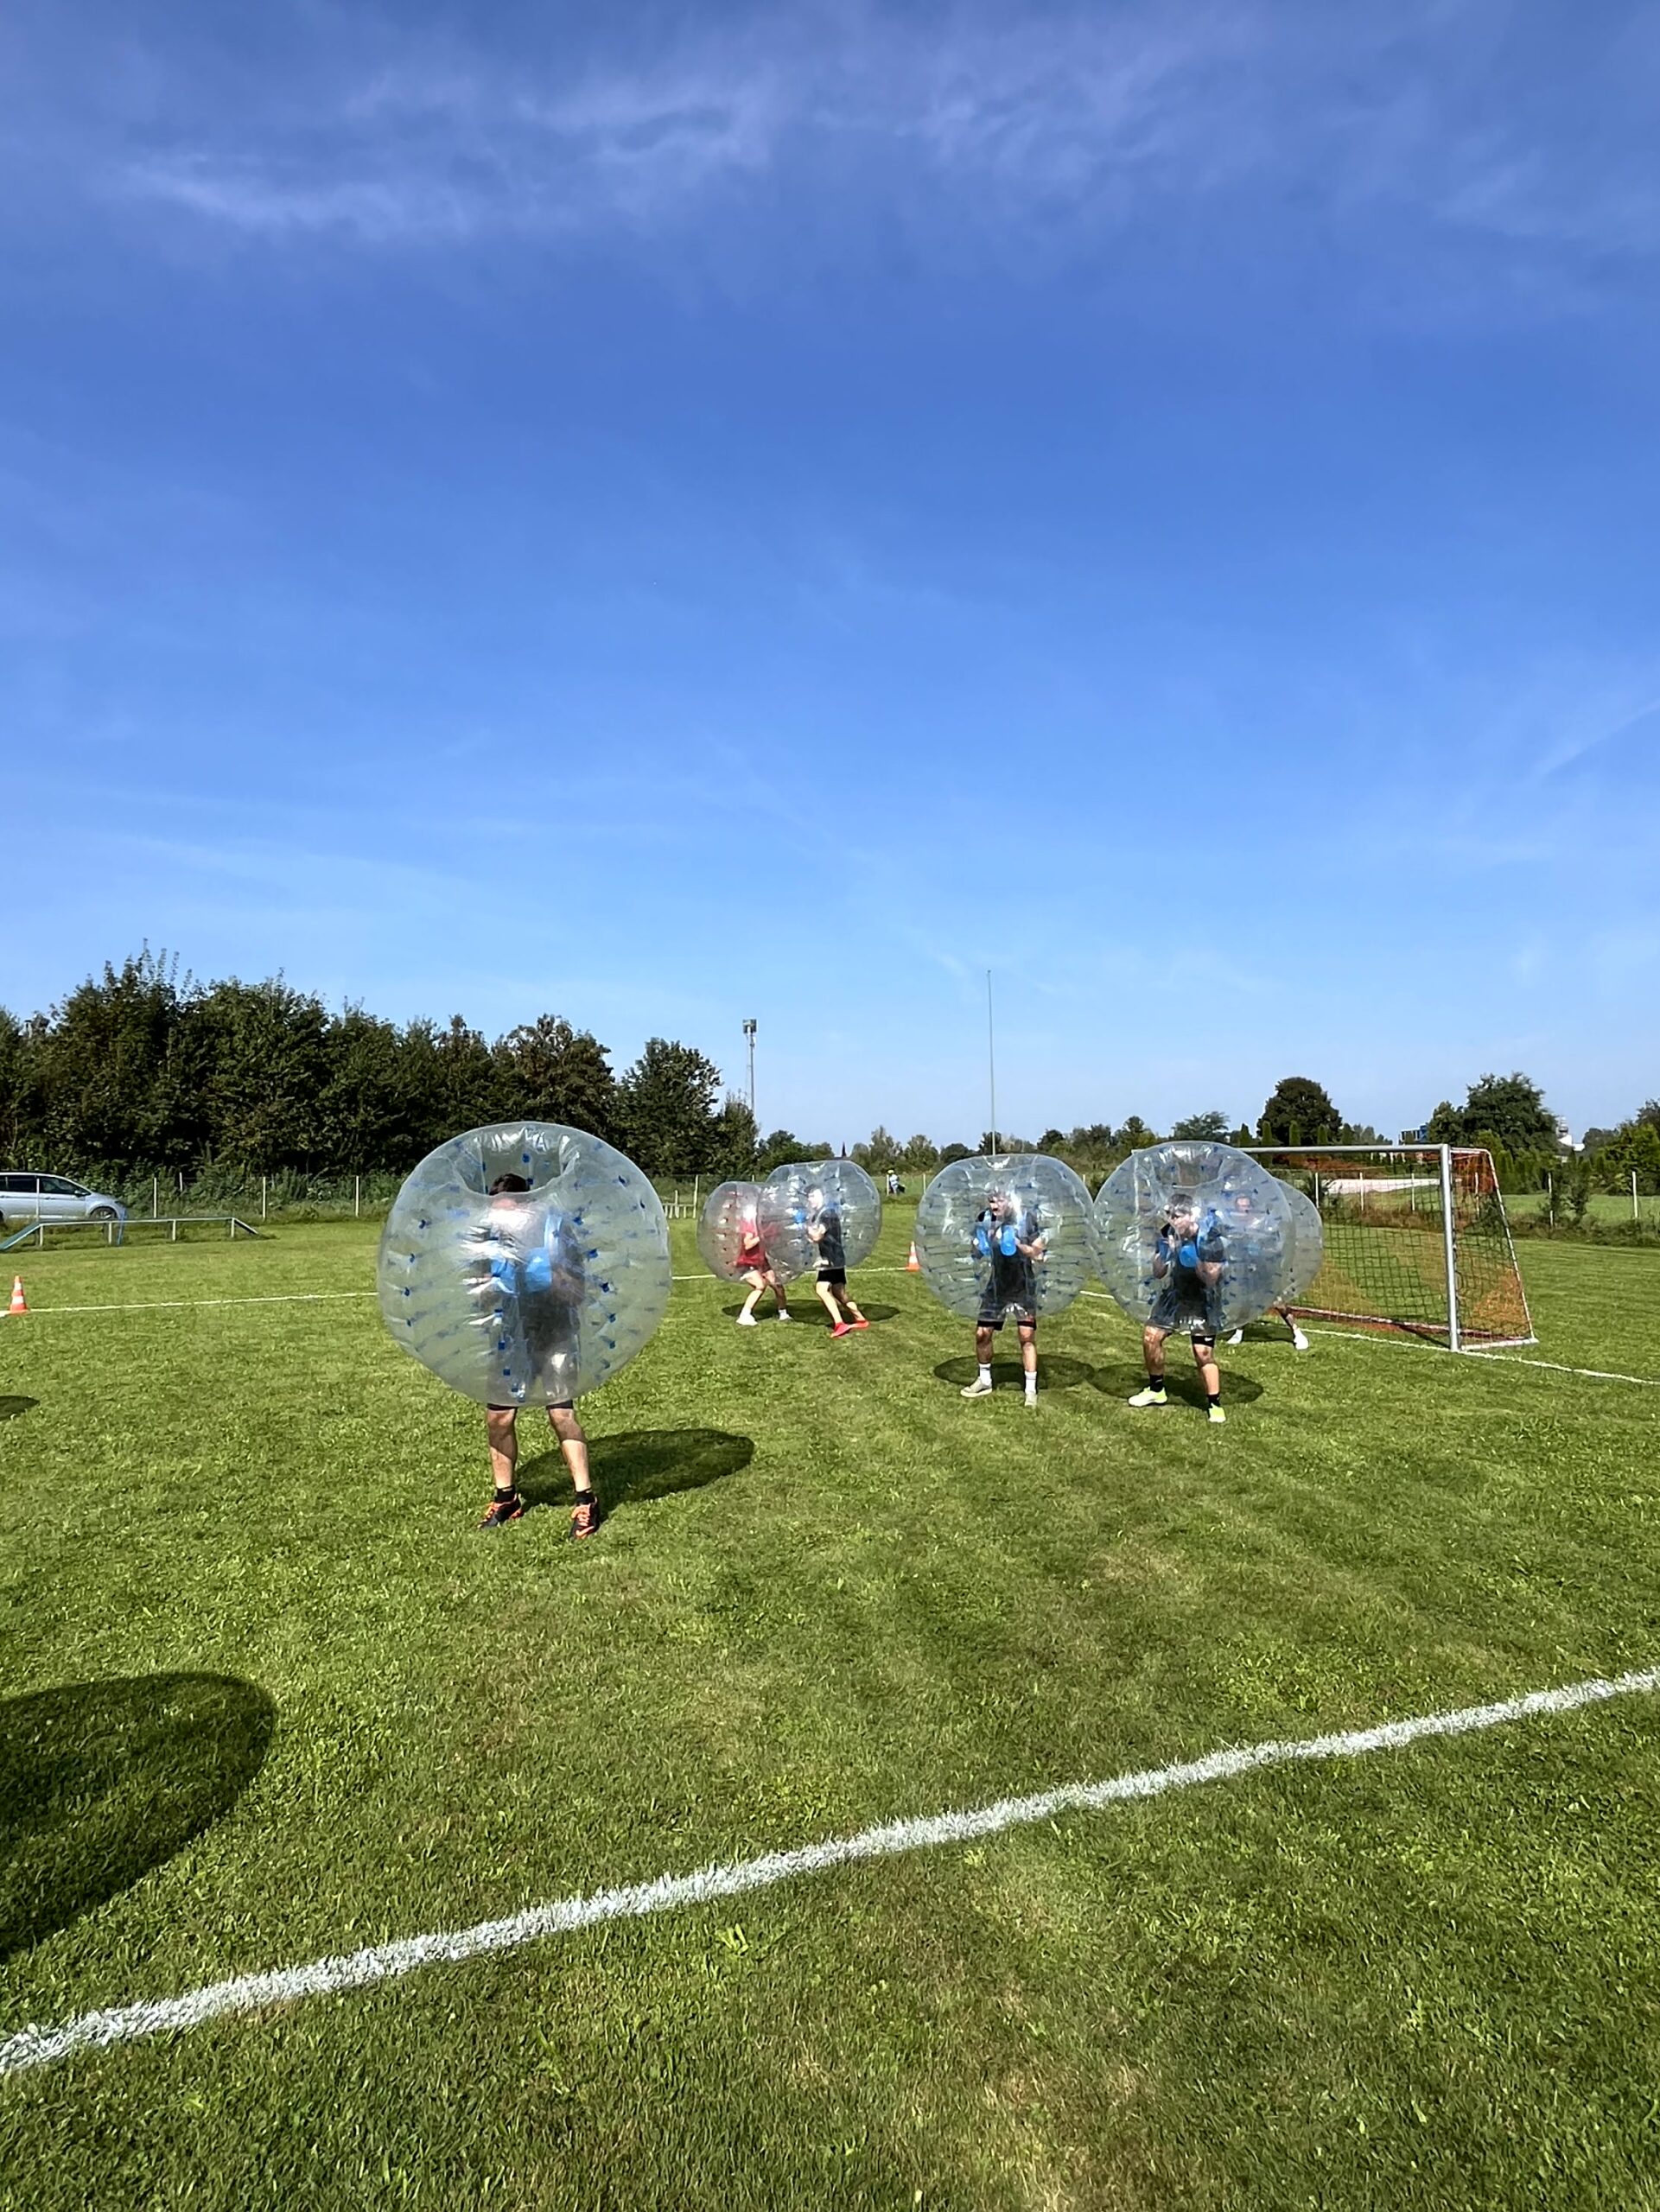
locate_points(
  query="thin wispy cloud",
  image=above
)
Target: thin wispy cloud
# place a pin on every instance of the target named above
(1096, 115)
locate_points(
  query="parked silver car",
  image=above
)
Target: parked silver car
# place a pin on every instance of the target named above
(25, 1198)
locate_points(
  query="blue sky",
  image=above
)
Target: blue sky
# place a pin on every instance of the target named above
(668, 514)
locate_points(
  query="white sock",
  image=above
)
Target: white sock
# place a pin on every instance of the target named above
(985, 1370)
(1031, 1386)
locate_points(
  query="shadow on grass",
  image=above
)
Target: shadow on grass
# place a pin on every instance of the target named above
(1055, 1372)
(1122, 1378)
(102, 1782)
(808, 1312)
(640, 1465)
(10, 1408)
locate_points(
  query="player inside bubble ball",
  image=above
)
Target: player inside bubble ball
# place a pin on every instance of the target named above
(758, 1271)
(1280, 1310)
(1188, 1260)
(824, 1227)
(533, 1269)
(1008, 1243)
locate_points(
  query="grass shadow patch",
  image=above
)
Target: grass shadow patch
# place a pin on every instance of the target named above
(102, 1782)
(640, 1465)
(1056, 1371)
(10, 1408)
(1122, 1378)
(808, 1311)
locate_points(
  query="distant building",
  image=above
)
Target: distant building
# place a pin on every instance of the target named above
(1565, 1136)
(1420, 1135)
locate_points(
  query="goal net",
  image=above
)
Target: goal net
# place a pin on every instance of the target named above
(1417, 1239)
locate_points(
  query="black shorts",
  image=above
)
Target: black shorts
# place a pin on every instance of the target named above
(1177, 1317)
(993, 1317)
(834, 1275)
(559, 1406)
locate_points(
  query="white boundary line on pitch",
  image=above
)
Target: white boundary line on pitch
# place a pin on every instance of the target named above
(37, 2046)
(180, 1304)
(305, 1298)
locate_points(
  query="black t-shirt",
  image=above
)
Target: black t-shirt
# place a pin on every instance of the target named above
(1192, 1294)
(1013, 1280)
(832, 1252)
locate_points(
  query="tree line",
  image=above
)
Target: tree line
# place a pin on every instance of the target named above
(143, 1071)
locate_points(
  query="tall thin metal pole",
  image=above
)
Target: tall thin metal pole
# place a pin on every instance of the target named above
(749, 1039)
(991, 1060)
(1452, 1344)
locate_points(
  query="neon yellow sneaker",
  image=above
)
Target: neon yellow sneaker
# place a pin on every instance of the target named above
(1149, 1397)
(1216, 1414)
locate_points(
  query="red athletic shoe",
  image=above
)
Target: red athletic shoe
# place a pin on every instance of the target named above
(843, 1329)
(862, 1323)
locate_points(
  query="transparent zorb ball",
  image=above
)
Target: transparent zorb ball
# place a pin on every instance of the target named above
(1195, 1237)
(1008, 1234)
(727, 1230)
(820, 1213)
(525, 1297)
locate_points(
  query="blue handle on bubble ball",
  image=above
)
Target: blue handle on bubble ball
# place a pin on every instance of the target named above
(1188, 1256)
(538, 1271)
(982, 1243)
(1008, 1241)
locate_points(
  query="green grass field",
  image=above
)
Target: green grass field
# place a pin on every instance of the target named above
(829, 1595)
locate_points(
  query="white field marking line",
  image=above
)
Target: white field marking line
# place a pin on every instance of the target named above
(305, 1298)
(1597, 1374)
(37, 2046)
(180, 1304)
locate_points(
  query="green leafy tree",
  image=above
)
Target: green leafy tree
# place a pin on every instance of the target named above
(953, 1152)
(550, 1071)
(1244, 1134)
(1003, 1143)
(1593, 1141)
(736, 1144)
(1299, 1111)
(667, 1106)
(1649, 1111)
(1211, 1127)
(1445, 1125)
(118, 1078)
(1510, 1109)
(921, 1156)
(366, 1116)
(267, 1052)
(879, 1153)
(1634, 1150)
(1135, 1137)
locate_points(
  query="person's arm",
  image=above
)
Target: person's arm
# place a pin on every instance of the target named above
(1162, 1253)
(1212, 1260)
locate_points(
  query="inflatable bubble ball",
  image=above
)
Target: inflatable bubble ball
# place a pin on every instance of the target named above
(1307, 1245)
(524, 1263)
(1195, 1237)
(997, 1237)
(726, 1226)
(820, 1213)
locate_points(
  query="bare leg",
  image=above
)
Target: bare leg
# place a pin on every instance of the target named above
(1029, 1360)
(573, 1442)
(501, 1427)
(827, 1299)
(757, 1283)
(1153, 1352)
(848, 1306)
(1209, 1374)
(774, 1283)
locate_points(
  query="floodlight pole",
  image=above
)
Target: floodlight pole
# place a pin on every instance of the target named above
(991, 1060)
(749, 1040)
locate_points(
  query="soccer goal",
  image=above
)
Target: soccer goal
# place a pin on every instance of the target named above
(1417, 1239)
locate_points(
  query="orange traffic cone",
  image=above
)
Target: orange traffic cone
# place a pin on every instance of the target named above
(19, 1303)
(913, 1266)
